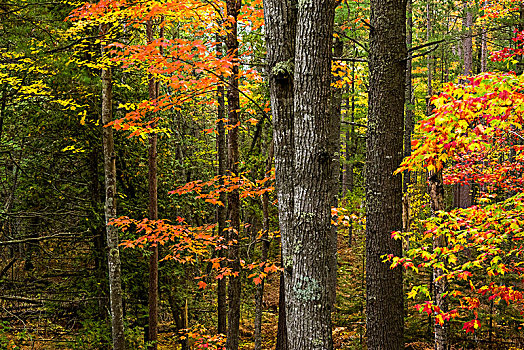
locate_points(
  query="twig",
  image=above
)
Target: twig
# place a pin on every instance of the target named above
(36, 239)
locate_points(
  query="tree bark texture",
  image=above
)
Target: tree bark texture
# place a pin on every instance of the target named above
(309, 302)
(221, 212)
(280, 21)
(408, 116)
(115, 285)
(429, 28)
(468, 42)
(153, 214)
(233, 98)
(387, 68)
(463, 197)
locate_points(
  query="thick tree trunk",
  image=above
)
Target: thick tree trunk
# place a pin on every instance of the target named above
(387, 67)
(233, 98)
(259, 296)
(309, 302)
(153, 214)
(280, 20)
(113, 259)
(221, 213)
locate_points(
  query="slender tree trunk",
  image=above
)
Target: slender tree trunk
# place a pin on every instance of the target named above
(334, 148)
(463, 197)
(387, 67)
(153, 214)
(351, 143)
(436, 193)
(115, 285)
(484, 51)
(336, 117)
(408, 116)
(352, 136)
(233, 98)
(280, 20)
(429, 29)
(98, 235)
(345, 141)
(309, 302)
(2, 110)
(259, 296)
(221, 212)
(468, 42)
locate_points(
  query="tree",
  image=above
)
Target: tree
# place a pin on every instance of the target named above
(300, 96)
(387, 67)
(115, 284)
(281, 17)
(233, 205)
(310, 302)
(153, 87)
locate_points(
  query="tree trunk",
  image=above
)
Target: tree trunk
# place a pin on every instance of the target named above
(280, 21)
(334, 149)
(98, 236)
(387, 67)
(408, 116)
(113, 259)
(468, 43)
(309, 302)
(463, 197)
(336, 117)
(436, 194)
(429, 23)
(233, 98)
(153, 214)
(484, 50)
(259, 296)
(221, 214)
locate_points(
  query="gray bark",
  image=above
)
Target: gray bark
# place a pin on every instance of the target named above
(387, 67)
(468, 42)
(463, 197)
(280, 21)
(113, 258)
(484, 47)
(300, 99)
(309, 302)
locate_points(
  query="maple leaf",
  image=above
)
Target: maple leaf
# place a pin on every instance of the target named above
(471, 326)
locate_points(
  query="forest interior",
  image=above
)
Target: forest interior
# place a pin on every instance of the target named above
(262, 174)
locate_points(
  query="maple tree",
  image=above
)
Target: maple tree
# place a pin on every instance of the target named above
(472, 137)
